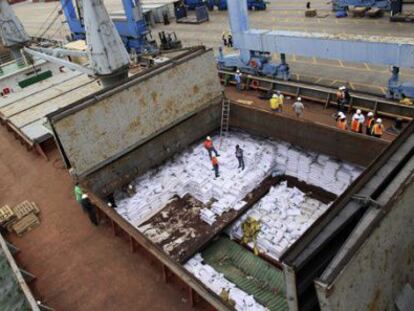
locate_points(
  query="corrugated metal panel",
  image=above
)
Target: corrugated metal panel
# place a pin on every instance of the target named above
(25, 110)
(11, 296)
(249, 272)
(49, 95)
(123, 117)
(14, 292)
(39, 87)
(80, 90)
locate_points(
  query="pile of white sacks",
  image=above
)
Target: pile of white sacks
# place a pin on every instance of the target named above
(216, 282)
(191, 172)
(284, 214)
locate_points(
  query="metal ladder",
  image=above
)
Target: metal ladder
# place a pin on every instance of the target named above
(225, 119)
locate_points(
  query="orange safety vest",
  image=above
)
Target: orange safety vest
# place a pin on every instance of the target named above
(208, 144)
(378, 130)
(368, 122)
(214, 161)
(341, 124)
(355, 126)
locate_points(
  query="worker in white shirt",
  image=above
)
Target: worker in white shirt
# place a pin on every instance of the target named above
(281, 98)
(238, 78)
(357, 122)
(298, 107)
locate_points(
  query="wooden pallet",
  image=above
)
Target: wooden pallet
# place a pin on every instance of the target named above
(25, 208)
(26, 224)
(6, 214)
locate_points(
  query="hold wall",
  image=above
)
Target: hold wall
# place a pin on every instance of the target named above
(347, 146)
(378, 271)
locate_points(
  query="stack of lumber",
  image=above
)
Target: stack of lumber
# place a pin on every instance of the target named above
(21, 218)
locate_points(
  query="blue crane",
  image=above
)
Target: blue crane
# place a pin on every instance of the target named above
(221, 5)
(339, 5)
(256, 45)
(132, 27)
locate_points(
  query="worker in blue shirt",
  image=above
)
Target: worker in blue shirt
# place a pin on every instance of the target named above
(237, 77)
(239, 156)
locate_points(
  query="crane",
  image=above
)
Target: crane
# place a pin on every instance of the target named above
(132, 28)
(256, 45)
(339, 5)
(258, 5)
(13, 35)
(108, 58)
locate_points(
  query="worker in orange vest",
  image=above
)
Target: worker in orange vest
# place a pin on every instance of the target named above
(341, 122)
(357, 122)
(215, 164)
(208, 144)
(378, 128)
(369, 123)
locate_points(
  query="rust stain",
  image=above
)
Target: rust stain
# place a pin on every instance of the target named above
(373, 306)
(134, 124)
(384, 269)
(169, 105)
(154, 96)
(196, 89)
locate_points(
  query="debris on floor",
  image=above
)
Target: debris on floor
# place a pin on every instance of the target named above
(191, 172)
(251, 228)
(284, 214)
(179, 230)
(218, 283)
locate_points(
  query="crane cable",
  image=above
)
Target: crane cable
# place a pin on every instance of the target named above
(46, 20)
(52, 21)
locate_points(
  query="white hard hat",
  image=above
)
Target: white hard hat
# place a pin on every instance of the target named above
(208, 138)
(370, 114)
(342, 117)
(358, 111)
(379, 120)
(342, 88)
(84, 196)
(274, 96)
(341, 114)
(130, 187)
(109, 204)
(299, 98)
(238, 71)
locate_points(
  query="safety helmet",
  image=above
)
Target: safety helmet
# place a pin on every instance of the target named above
(208, 138)
(341, 114)
(84, 196)
(130, 187)
(342, 88)
(342, 117)
(238, 71)
(379, 120)
(299, 98)
(274, 96)
(358, 111)
(370, 114)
